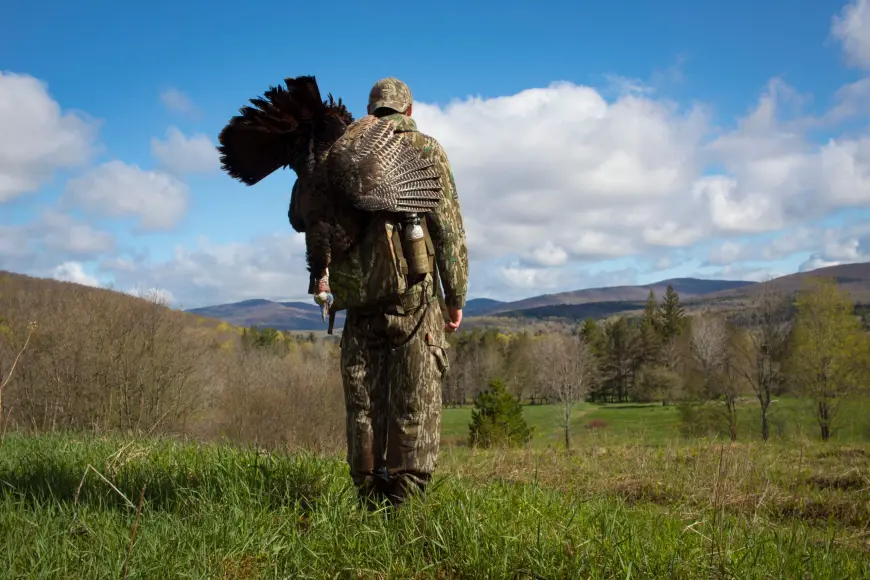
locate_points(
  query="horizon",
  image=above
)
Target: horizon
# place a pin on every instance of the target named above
(737, 156)
(520, 299)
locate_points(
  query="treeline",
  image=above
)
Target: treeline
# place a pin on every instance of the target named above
(813, 345)
(73, 357)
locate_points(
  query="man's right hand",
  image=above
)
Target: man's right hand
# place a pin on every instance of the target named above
(455, 319)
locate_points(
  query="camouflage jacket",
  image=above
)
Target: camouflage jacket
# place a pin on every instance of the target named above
(445, 223)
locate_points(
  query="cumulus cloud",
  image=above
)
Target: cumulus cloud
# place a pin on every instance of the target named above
(852, 28)
(156, 199)
(176, 101)
(747, 273)
(52, 239)
(182, 155)
(560, 174)
(551, 179)
(74, 272)
(726, 253)
(271, 267)
(562, 170)
(36, 137)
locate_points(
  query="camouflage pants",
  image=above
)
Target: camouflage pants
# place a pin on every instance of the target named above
(392, 366)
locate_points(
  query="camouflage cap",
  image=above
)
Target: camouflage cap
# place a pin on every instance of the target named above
(391, 93)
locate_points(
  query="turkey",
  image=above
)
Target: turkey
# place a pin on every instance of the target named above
(345, 170)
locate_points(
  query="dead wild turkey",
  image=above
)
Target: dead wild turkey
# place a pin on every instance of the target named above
(345, 170)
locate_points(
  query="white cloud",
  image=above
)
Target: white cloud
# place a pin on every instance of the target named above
(74, 272)
(271, 267)
(36, 137)
(550, 179)
(747, 273)
(559, 174)
(725, 253)
(52, 239)
(852, 28)
(118, 190)
(182, 155)
(562, 170)
(175, 100)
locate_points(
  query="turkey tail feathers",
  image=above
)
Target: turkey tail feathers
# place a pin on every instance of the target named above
(286, 127)
(378, 170)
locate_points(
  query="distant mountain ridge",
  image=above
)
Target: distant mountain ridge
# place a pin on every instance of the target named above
(574, 305)
(300, 316)
(291, 316)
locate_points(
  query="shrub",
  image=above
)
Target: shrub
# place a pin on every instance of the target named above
(701, 420)
(497, 419)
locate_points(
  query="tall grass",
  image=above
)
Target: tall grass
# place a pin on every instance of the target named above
(216, 511)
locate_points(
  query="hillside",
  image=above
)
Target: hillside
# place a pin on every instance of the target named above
(574, 305)
(291, 316)
(854, 278)
(57, 294)
(685, 287)
(577, 304)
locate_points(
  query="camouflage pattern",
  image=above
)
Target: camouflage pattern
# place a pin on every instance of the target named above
(393, 362)
(392, 366)
(390, 93)
(445, 223)
(368, 274)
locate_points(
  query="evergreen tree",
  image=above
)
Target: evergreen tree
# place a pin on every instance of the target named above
(650, 336)
(497, 419)
(649, 311)
(671, 316)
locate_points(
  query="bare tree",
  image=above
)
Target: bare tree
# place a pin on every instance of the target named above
(710, 347)
(569, 366)
(763, 347)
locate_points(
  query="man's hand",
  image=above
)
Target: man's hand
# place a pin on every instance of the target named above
(455, 319)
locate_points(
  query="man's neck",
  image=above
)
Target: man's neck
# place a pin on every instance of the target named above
(403, 122)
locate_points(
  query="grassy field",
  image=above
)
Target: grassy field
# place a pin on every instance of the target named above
(69, 504)
(656, 424)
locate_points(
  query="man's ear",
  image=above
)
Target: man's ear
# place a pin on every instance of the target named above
(410, 109)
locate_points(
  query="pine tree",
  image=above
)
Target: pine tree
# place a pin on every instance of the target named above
(497, 419)
(649, 311)
(671, 316)
(650, 336)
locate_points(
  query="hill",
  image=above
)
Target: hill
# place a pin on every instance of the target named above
(854, 278)
(686, 287)
(289, 316)
(595, 302)
(573, 305)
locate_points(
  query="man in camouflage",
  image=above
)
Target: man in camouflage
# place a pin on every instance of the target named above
(392, 362)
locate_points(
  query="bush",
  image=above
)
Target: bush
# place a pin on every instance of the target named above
(497, 419)
(701, 420)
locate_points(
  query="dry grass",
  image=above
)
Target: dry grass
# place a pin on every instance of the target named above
(807, 483)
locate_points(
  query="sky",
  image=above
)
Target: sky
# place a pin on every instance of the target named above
(592, 144)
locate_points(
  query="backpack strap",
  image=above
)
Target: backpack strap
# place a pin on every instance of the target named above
(436, 273)
(400, 253)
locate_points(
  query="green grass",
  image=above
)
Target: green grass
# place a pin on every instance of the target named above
(657, 424)
(700, 510)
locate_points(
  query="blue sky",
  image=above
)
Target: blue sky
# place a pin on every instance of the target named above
(678, 129)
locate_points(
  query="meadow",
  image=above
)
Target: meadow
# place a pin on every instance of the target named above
(653, 423)
(141, 442)
(631, 499)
